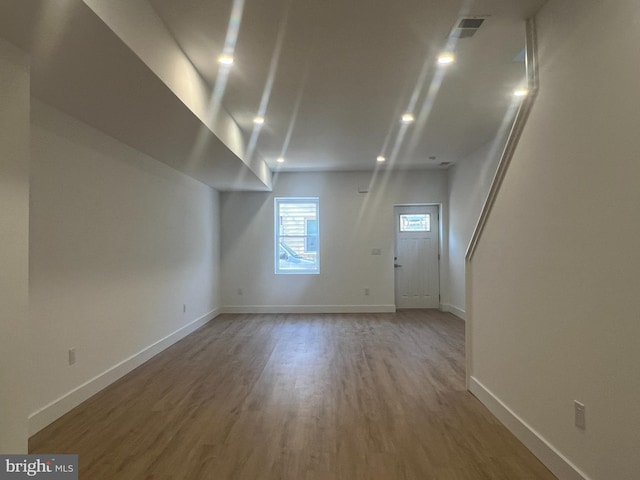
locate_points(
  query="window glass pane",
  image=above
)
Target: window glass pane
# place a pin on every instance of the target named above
(297, 233)
(415, 222)
(311, 231)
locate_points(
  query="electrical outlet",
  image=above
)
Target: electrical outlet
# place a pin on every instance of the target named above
(366, 291)
(72, 356)
(580, 417)
(184, 308)
(239, 291)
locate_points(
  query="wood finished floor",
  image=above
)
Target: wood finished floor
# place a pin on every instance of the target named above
(297, 397)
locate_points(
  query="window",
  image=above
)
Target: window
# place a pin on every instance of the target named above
(415, 222)
(297, 231)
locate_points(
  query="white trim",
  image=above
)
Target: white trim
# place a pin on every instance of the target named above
(559, 465)
(308, 309)
(458, 312)
(54, 410)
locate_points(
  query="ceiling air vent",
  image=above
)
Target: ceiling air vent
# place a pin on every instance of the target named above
(467, 27)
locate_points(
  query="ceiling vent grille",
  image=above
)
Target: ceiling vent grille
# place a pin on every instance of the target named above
(467, 27)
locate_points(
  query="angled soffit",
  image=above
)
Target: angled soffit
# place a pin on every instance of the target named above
(80, 65)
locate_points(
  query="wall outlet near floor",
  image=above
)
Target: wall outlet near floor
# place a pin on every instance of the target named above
(580, 418)
(366, 291)
(239, 291)
(184, 308)
(72, 356)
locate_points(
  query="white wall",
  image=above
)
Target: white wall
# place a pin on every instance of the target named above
(469, 183)
(14, 232)
(119, 242)
(555, 278)
(351, 225)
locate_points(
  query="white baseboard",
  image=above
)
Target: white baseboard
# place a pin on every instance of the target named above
(458, 312)
(54, 410)
(560, 466)
(308, 309)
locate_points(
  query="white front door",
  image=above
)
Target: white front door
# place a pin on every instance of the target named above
(417, 264)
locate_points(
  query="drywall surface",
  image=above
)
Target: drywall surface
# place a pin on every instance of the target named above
(14, 253)
(352, 225)
(555, 276)
(469, 183)
(138, 22)
(124, 252)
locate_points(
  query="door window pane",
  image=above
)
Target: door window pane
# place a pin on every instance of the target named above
(415, 222)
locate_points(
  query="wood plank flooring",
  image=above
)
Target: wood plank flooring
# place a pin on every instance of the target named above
(297, 397)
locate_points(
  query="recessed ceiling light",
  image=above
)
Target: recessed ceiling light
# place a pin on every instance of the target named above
(446, 58)
(521, 92)
(380, 158)
(225, 59)
(407, 118)
(258, 120)
(280, 160)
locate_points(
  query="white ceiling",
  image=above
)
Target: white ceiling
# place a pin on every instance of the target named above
(344, 71)
(333, 78)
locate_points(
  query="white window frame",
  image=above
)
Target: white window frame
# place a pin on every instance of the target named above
(278, 238)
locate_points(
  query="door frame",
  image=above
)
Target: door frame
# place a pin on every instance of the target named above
(440, 244)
